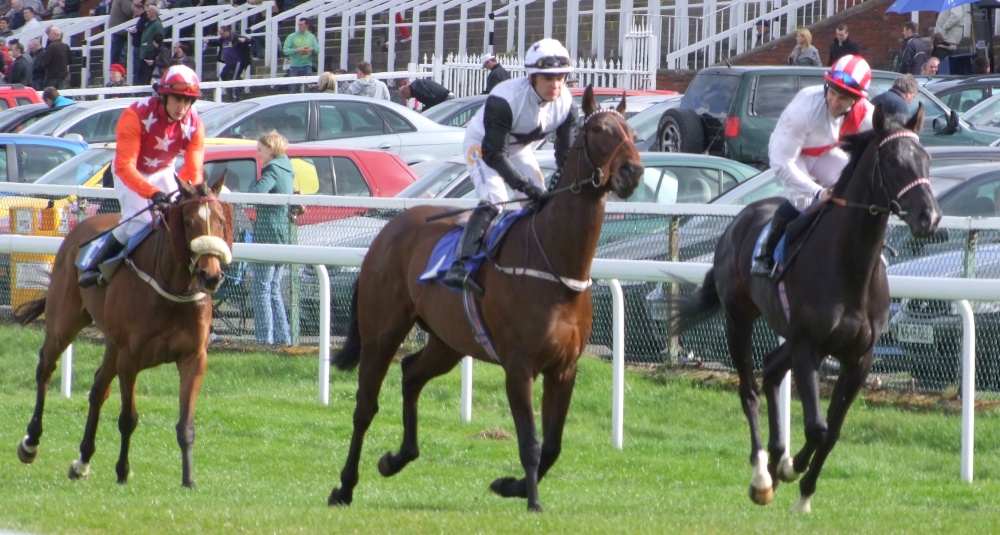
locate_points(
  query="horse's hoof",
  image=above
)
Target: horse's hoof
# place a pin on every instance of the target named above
(509, 487)
(385, 465)
(803, 505)
(786, 470)
(761, 496)
(188, 484)
(79, 470)
(534, 508)
(25, 456)
(339, 497)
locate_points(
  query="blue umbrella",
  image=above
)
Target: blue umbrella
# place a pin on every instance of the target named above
(909, 6)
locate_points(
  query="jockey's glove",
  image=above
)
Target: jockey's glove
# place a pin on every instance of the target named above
(161, 201)
(533, 191)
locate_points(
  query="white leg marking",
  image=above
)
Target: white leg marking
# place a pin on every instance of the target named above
(803, 505)
(81, 468)
(786, 469)
(761, 478)
(30, 450)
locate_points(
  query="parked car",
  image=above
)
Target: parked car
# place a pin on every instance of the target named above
(14, 95)
(731, 112)
(340, 120)
(929, 331)
(16, 119)
(985, 114)
(457, 111)
(646, 122)
(668, 178)
(961, 93)
(25, 158)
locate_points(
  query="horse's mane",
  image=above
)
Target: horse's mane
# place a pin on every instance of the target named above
(856, 144)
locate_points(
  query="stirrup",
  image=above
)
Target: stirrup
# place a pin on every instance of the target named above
(90, 278)
(763, 267)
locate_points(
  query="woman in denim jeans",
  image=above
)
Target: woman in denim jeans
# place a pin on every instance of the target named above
(270, 321)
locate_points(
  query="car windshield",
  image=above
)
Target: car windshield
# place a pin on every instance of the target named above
(450, 112)
(646, 121)
(214, 118)
(50, 123)
(711, 94)
(79, 168)
(433, 181)
(986, 113)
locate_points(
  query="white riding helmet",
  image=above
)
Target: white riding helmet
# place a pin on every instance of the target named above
(547, 56)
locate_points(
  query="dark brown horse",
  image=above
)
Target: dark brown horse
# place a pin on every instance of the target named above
(145, 324)
(836, 294)
(538, 326)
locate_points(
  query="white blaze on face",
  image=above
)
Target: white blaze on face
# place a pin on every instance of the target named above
(204, 212)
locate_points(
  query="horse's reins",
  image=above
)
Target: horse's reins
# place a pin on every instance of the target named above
(194, 295)
(872, 209)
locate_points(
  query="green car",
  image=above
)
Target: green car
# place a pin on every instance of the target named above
(731, 112)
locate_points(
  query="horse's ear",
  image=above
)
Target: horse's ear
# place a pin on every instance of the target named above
(589, 104)
(220, 183)
(878, 118)
(917, 121)
(621, 106)
(185, 188)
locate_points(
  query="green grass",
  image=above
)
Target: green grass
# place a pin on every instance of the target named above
(267, 455)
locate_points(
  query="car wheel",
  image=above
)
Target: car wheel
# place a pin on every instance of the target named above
(680, 130)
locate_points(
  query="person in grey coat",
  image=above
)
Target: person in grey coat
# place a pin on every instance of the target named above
(367, 86)
(804, 53)
(270, 323)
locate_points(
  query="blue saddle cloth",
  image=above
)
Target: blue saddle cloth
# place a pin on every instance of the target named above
(89, 249)
(446, 250)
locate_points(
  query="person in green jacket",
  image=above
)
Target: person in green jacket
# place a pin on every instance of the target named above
(147, 48)
(270, 320)
(301, 48)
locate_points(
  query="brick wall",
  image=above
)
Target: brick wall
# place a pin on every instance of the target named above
(879, 34)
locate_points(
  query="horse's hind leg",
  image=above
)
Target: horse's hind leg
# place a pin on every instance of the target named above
(852, 378)
(433, 360)
(48, 356)
(739, 336)
(556, 396)
(98, 395)
(376, 356)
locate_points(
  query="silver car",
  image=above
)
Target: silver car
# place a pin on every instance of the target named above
(341, 120)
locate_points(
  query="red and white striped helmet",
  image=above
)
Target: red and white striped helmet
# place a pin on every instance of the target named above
(179, 80)
(852, 74)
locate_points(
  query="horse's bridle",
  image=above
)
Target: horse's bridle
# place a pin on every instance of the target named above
(188, 297)
(597, 176)
(879, 175)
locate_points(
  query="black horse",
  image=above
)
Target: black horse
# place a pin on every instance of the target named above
(833, 299)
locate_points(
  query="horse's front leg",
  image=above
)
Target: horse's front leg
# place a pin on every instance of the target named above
(805, 370)
(852, 377)
(519, 395)
(191, 373)
(127, 421)
(433, 360)
(98, 395)
(555, 407)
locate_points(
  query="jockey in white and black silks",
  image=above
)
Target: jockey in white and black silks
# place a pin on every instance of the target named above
(804, 150)
(499, 138)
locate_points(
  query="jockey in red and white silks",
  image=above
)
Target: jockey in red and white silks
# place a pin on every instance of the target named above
(803, 149)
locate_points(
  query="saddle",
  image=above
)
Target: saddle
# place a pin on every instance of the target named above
(793, 232)
(446, 250)
(89, 249)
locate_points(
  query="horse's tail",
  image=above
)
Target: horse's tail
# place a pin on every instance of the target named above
(350, 354)
(29, 312)
(698, 306)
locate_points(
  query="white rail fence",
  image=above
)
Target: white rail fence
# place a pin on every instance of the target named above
(958, 290)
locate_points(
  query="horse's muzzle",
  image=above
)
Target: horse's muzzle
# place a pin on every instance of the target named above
(210, 283)
(627, 178)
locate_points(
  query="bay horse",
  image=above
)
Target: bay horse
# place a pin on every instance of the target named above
(538, 324)
(832, 300)
(156, 311)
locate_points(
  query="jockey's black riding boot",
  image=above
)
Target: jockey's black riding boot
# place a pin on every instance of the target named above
(479, 221)
(92, 275)
(763, 265)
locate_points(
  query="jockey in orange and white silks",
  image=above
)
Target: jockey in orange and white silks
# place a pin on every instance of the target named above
(150, 135)
(803, 148)
(498, 141)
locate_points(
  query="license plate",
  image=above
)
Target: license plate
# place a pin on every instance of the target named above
(919, 334)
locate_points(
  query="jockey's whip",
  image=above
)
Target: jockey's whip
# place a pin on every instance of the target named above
(458, 211)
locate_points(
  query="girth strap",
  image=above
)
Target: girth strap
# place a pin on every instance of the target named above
(189, 298)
